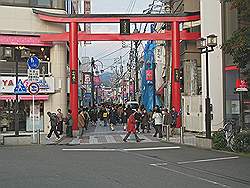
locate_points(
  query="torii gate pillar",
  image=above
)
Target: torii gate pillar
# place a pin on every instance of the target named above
(73, 65)
(176, 97)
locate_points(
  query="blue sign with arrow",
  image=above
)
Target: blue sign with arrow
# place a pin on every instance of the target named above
(33, 62)
(20, 88)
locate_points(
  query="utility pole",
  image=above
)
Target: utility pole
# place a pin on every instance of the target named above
(92, 81)
(130, 70)
(136, 71)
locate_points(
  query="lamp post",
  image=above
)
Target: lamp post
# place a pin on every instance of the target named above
(206, 46)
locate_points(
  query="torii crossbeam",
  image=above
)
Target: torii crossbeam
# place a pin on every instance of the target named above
(73, 36)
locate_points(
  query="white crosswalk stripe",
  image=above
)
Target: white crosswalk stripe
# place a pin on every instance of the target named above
(110, 139)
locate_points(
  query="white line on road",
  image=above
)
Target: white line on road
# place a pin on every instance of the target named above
(147, 149)
(128, 149)
(79, 149)
(191, 176)
(208, 160)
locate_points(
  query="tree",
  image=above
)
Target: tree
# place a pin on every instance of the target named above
(238, 46)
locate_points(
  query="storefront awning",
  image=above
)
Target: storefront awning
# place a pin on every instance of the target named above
(24, 97)
(22, 40)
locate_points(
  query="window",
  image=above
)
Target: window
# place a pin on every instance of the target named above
(7, 2)
(42, 3)
(28, 3)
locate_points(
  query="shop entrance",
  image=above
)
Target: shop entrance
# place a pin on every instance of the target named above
(7, 115)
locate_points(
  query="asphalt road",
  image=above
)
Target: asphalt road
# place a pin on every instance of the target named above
(127, 165)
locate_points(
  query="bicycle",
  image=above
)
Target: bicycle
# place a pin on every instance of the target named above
(230, 130)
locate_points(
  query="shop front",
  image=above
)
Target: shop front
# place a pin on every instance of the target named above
(25, 105)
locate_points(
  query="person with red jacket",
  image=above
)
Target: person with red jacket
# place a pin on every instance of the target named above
(131, 128)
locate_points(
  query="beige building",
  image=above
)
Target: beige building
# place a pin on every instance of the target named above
(19, 26)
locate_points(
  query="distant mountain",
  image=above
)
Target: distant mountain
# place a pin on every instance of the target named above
(106, 78)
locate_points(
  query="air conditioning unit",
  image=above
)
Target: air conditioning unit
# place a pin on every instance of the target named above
(8, 52)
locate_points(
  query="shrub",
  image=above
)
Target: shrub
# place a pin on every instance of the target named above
(219, 141)
(241, 142)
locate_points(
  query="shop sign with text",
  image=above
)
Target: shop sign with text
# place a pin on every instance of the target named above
(8, 84)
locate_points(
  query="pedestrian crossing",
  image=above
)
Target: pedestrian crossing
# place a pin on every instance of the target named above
(116, 138)
(106, 139)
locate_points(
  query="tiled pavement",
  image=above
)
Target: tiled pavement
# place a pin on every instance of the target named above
(103, 135)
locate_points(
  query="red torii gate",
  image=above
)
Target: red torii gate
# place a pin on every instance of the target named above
(73, 36)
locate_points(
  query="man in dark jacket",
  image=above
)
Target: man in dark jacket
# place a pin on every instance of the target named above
(53, 124)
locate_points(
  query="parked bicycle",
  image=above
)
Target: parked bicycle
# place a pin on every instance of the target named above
(230, 130)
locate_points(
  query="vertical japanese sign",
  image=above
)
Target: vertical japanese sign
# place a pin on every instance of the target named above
(87, 10)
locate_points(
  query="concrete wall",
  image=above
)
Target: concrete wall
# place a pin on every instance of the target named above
(211, 23)
(191, 5)
(58, 56)
(22, 20)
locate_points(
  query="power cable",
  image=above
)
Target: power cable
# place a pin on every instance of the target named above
(110, 53)
(116, 62)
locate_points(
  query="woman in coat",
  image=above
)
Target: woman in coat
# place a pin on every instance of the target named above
(81, 123)
(69, 124)
(145, 121)
(131, 128)
(113, 117)
(158, 119)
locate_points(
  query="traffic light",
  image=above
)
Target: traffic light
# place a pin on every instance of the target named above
(125, 27)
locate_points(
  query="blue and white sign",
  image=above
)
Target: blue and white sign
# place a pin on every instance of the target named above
(33, 62)
(33, 88)
(20, 88)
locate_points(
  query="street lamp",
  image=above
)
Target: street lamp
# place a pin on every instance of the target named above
(206, 46)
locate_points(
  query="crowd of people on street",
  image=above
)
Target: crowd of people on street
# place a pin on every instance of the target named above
(133, 120)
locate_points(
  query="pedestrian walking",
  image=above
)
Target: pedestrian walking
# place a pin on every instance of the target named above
(86, 117)
(93, 116)
(113, 117)
(53, 123)
(158, 119)
(145, 121)
(59, 121)
(69, 124)
(174, 115)
(81, 124)
(167, 118)
(138, 123)
(105, 117)
(124, 119)
(131, 128)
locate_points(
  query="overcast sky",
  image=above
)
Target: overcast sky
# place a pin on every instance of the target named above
(100, 49)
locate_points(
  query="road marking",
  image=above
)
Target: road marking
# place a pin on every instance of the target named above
(191, 176)
(158, 164)
(79, 149)
(126, 149)
(110, 139)
(147, 149)
(208, 160)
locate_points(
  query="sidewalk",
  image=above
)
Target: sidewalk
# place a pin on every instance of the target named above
(189, 139)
